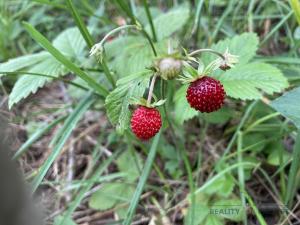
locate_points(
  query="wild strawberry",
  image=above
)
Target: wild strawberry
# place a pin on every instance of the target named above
(206, 94)
(169, 67)
(145, 122)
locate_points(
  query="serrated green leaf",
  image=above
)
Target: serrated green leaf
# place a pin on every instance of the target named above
(289, 105)
(112, 48)
(23, 62)
(30, 84)
(166, 24)
(44, 42)
(110, 195)
(117, 101)
(183, 111)
(130, 164)
(133, 59)
(250, 80)
(70, 42)
(244, 46)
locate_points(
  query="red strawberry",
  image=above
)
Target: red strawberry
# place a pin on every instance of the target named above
(145, 122)
(206, 94)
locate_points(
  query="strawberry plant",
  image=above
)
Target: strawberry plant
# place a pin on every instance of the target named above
(168, 112)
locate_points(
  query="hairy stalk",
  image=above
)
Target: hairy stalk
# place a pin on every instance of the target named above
(150, 93)
(99, 47)
(207, 50)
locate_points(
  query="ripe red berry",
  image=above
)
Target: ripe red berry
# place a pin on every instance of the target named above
(206, 94)
(145, 122)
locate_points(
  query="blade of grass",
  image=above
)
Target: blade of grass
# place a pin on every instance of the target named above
(281, 23)
(94, 178)
(148, 13)
(292, 178)
(36, 136)
(80, 24)
(68, 127)
(50, 3)
(295, 4)
(89, 39)
(278, 59)
(123, 5)
(241, 175)
(239, 127)
(26, 73)
(142, 181)
(255, 209)
(196, 25)
(222, 19)
(39, 38)
(219, 175)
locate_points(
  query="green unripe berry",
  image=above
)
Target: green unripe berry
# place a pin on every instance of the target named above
(169, 68)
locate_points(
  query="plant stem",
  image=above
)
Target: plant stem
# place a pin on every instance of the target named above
(207, 50)
(149, 40)
(107, 72)
(150, 20)
(100, 45)
(150, 93)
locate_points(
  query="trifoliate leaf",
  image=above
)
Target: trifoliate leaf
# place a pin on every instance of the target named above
(118, 100)
(251, 80)
(183, 111)
(289, 105)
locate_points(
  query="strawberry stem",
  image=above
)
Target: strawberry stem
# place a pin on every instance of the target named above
(98, 48)
(150, 93)
(207, 50)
